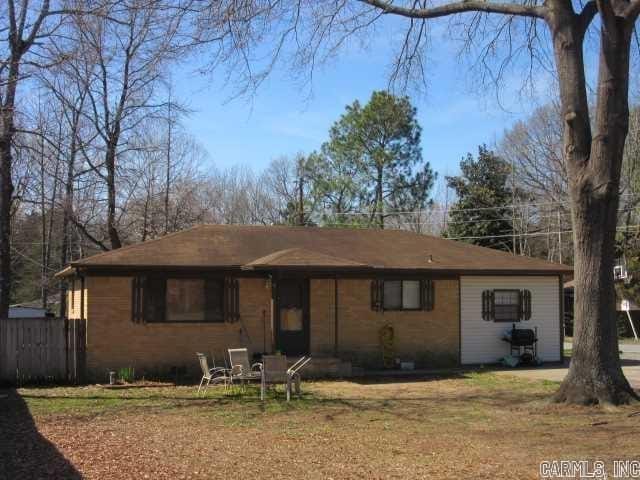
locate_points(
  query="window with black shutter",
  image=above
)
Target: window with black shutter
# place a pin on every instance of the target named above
(506, 305)
(402, 294)
(157, 298)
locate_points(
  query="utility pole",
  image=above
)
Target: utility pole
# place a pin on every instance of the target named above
(445, 210)
(559, 235)
(301, 201)
(168, 172)
(301, 221)
(513, 207)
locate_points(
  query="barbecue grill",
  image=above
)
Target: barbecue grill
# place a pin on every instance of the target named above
(523, 343)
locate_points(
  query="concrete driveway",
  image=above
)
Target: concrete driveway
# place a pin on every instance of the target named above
(630, 367)
(630, 348)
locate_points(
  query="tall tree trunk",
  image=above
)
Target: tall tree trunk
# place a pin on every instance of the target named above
(595, 374)
(6, 185)
(301, 221)
(43, 235)
(66, 222)
(168, 171)
(67, 211)
(6, 192)
(110, 163)
(379, 202)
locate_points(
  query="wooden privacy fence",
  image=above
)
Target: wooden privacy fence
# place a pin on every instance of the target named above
(42, 350)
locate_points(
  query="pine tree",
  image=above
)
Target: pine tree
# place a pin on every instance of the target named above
(480, 215)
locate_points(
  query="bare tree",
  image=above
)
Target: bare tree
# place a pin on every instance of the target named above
(287, 180)
(129, 48)
(534, 148)
(24, 28)
(630, 178)
(67, 85)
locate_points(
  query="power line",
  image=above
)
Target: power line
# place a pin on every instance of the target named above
(442, 208)
(535, 234)
(28, 258)
(553, 216)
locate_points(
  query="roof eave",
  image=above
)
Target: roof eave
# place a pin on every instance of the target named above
(84, 268)
(65, 272)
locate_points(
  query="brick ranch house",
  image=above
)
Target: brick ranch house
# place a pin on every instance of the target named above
(319, 291)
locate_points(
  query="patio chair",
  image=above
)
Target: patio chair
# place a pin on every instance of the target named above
(216, 375)
(241, 369)
(275, 371)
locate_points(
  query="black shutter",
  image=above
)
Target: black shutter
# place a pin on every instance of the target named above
(487, 305)
(525, 305)
(137, 284)
(214, 299)
(231, 300)
(427, 294)
(377, 293)
(154, 299)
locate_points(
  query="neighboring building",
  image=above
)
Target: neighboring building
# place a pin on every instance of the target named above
(320, 291)
(29, 310)
(626, 308)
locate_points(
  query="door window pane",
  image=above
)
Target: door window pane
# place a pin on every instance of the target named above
(291, 319)
(392, 294)
(411, 294)
(185, 300)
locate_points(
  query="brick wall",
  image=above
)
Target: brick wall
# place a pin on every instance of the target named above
(114, 341)
(322, 316)
(430, 338)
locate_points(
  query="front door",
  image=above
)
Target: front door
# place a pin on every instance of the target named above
(292, 316)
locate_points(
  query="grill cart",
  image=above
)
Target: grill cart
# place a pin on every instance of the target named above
(523, 345)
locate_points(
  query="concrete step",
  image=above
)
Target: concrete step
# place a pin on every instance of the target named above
(323, 367)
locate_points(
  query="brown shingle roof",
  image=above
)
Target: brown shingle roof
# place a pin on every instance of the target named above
(234, 246)
(301, 257)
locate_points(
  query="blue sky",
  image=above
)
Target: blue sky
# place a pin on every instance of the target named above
(283, 119)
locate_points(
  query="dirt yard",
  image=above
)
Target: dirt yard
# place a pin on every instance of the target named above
(470, 426)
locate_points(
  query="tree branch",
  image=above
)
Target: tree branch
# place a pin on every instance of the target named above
(587, 14)
(91, 238)
(459, 7)
(633, 10)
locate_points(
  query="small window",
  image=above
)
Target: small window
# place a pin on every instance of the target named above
(185, 300)
(401, 295)
(506, 305)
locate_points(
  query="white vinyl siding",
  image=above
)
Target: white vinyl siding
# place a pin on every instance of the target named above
(481, 341)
